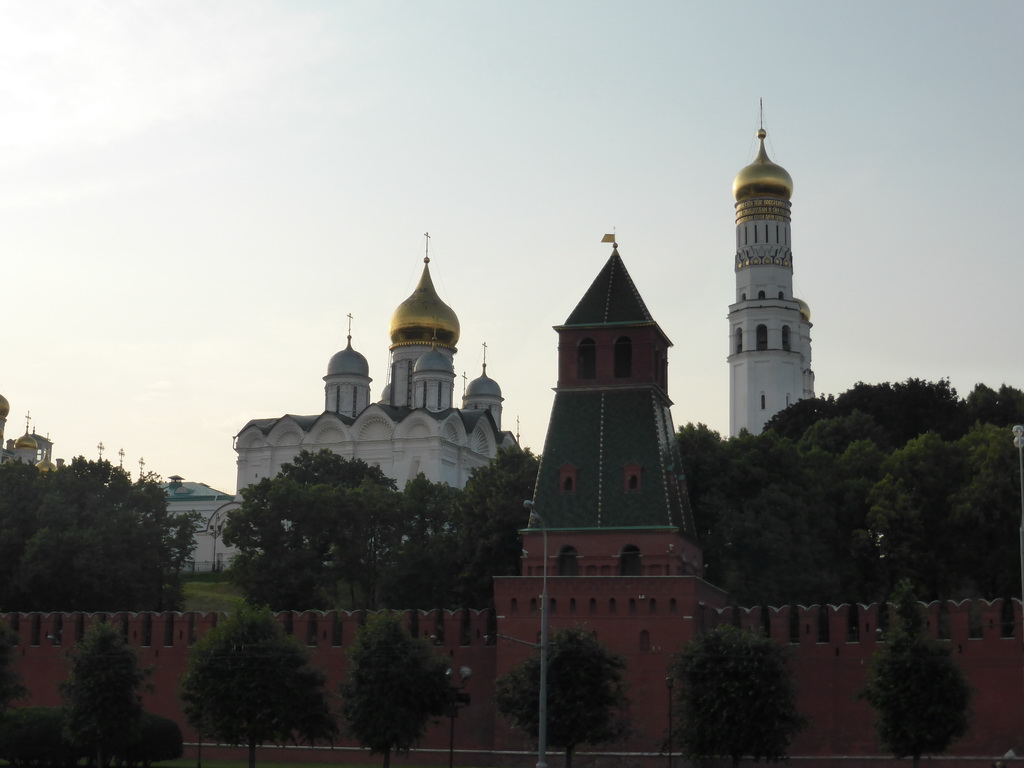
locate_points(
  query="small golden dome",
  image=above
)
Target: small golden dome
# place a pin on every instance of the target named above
(423, 315)
(805, 310)
(762, 177)
(26, 441)
(46, 466)
(5, 407)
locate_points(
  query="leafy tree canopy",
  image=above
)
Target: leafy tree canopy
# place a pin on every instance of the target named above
(735, 697)
(845, 496)
(919, 694)
(324, 521)
(394, 684)
(86, 538)
(102, 695)
(250, 683)
(586, 692)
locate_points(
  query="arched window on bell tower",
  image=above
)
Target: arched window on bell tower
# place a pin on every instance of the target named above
(762, 338)
(586, 360)
(739, 340)
(785, 338)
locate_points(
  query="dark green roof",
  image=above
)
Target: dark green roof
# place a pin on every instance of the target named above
(612, 298)
(600, 433)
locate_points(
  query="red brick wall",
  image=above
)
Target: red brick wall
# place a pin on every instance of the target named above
(829, 671)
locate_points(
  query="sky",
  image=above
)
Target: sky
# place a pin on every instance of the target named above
(195, 194)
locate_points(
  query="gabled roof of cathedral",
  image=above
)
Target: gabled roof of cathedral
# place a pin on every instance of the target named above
(612, 299)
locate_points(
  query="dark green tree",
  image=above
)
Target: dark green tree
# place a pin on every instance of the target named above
(735, 697)
(102, 695)
(394, 684)
(11, 687)
(325, 521)
(119, 547)
(487, 517)
(250, 683)
(586, 692)
(919, 694)
(425, 564)
(910, 519)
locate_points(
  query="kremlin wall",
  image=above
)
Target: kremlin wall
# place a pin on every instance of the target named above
(831, 648)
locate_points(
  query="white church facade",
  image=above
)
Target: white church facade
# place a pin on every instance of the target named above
(414, 427)
(769, 328)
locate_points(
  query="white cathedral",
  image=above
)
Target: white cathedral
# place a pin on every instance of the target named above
(414, 427)
(769, 327)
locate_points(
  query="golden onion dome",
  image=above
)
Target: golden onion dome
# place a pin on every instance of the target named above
(26, 441)
(5, 407)
(46, 466)
(423, 316)
(805, 310)
(762, 177)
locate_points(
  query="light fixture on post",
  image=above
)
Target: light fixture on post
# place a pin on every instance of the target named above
(1018, 440)
(455, 700)
(542, 706)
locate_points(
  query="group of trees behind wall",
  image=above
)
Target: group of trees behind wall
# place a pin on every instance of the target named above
(840, 498)
(836, 501)
(330, 532)
(87, 538)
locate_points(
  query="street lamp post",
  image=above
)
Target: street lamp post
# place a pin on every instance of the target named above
(456, 700)
(542, 706)
(1018, 440)
(669, 682)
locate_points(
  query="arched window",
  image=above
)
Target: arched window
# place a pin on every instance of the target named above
(568, 563)
(629, 561)
(762, 337)
(586, 360)
(593, 606)
(623, 357)
(645, 640)
(762, 401)
(760, 294)
(739, 339)
(785, 338)
(780, 294)
(611, 606)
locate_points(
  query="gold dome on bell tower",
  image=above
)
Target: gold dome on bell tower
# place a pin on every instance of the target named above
(762, 178)
(423, 316)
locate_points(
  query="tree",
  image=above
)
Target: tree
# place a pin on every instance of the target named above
(735, 696)
(394, 684)
(117, 546)
(11, 687)
(323, 521)
(425, 565)
(102, 695)
(586, 692)
(487, 517)
(919, 694)
(249, 683)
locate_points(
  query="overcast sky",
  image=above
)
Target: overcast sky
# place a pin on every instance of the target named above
(194, 195)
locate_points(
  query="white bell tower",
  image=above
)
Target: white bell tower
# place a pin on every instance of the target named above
(769, 328)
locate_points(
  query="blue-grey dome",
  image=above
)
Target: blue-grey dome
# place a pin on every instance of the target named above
(433, 361)
(349, 362)
(484, 385)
